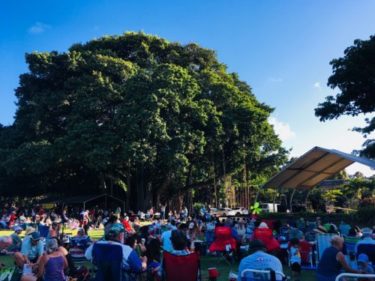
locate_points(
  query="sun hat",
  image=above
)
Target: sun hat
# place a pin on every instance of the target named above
(363, 258)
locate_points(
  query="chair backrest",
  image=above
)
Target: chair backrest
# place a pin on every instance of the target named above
(223, 232)
(43, 230)
(261, 275)
(223, 240)
(108, 259)
(181, 268)
(369, 250)
(305, 249)
(323, 241)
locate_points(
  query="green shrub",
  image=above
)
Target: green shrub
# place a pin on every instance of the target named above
(366, 215)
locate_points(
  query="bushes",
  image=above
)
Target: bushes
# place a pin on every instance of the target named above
(366, 215)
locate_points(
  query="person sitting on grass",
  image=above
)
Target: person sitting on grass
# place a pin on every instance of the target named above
(364, 267)
(259, 260)
(79, 244)
(51, 266)
(131, 263)
(180, 248)
(16, 242)
(295, 259)
(31, 251)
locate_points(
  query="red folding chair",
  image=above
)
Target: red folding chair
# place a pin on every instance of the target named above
(181, 268)
(223, 239)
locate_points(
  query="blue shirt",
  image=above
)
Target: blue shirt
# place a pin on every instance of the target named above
(29, 250)
(166, 240)
(261, 261)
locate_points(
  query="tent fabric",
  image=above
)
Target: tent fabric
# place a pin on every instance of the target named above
(315, 166)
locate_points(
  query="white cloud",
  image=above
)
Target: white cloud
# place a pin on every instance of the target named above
(282, 129)
(275, 79)
(317, 85)
(38, 28)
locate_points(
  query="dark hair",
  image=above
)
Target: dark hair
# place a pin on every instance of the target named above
(112, 219)
(183, 226)
(294, 241)
(179, 241)
(130, 241)
(153, 250)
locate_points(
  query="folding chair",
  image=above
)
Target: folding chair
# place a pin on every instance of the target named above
(369, 250)
(43, 230)
(323, 241)
(224, 243)
(261, 275)
(108, 260)
(181, 268)
(78, 246)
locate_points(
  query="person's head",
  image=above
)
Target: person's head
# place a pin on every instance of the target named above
(263, 225)
(363, 261)
(113, 235)
(256, 245)
(80, 232)
(52, 246)
(366, 232)
(178, 240)
(337, 242)
(153, 250)
(18, 230)
(294, 242)
(131, 241)
(35, 238)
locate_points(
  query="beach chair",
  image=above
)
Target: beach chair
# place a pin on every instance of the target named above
(261, 275)
(181, 268)
(108, 260)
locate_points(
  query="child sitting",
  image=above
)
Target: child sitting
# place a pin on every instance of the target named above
(364, 266)
(295, 258)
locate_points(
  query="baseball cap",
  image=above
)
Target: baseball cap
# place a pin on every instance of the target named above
(363, 258)
(35, 236)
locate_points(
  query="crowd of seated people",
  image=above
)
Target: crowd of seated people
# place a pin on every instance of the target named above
(140, 245)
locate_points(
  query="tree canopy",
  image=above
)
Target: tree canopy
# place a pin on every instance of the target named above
(136, 114)
(354, 76)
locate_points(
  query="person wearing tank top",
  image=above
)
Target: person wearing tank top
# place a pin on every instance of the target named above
(333, 261)
(51, 266)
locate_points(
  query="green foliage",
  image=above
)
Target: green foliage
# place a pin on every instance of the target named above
(365, 215)
(135, 113)
(256, 209)
(354, 76)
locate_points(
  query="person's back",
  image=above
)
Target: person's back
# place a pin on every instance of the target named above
(259, 260)
(328, 264)
(54, 269)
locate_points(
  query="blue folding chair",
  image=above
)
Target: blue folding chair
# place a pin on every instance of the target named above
(108, 260)
(261, 275)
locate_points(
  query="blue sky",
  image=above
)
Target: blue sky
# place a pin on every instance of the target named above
(281, 48)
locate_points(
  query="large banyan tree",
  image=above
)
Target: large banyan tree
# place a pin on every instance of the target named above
(137, 115)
